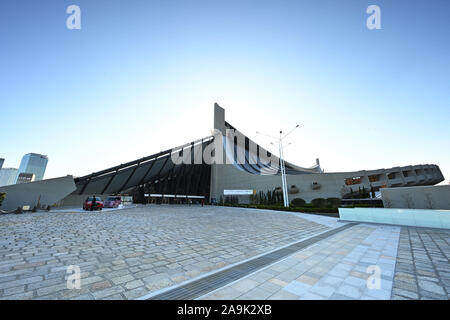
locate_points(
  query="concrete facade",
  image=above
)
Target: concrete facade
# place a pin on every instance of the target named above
(424, 197)
(38, 193)
(321, 185)
(311, 185)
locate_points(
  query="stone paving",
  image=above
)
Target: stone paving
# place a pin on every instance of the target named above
(335, 268)
(423, 269)
(128, 253)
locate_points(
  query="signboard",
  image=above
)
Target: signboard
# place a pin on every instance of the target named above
(238, 192)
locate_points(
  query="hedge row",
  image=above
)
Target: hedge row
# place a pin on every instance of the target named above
(326, 211)
(364, 206)
(317, 203)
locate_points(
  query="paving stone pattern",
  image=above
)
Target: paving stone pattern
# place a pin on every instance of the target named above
(334, 268)
(423, 268)
(128, 253)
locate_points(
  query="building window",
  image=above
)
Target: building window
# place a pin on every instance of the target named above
(391, 176)
(352, 181)
(374, 178)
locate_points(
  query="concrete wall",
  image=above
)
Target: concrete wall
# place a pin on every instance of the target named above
(331, 185)
(425, 197)
(44, 192)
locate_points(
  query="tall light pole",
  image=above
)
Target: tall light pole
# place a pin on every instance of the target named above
(282, 166)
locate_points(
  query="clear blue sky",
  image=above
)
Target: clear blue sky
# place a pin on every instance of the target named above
(142, 76)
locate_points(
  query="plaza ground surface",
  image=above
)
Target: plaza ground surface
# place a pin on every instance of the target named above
(146, 250)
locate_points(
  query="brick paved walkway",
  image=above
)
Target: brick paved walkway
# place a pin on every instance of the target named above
(335, 268)
(128, 253)
(423, 268)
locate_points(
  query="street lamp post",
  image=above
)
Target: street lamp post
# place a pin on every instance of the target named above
(283, 174)
(282, 166)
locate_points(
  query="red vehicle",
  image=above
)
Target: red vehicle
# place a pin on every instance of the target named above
(90, 204)
(113, 202)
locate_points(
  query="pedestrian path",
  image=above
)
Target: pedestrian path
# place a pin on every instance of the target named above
(343, 266)
(194, 289)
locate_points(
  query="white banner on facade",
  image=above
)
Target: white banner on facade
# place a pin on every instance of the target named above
(238, 192)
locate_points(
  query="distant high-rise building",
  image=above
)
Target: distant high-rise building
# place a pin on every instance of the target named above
(25, 177)
(1, 163)
(33, 163)
(8, 176)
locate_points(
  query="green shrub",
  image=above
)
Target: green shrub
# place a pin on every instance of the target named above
(333, 202)
(331, 211)
(298, 202)
(319, 203)
(231, 200)
(376, 205)
(323, 211)
(2, 197)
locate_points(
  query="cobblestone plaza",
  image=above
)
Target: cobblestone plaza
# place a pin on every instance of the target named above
(142, 251)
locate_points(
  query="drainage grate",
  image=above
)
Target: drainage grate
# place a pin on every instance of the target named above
(217, 280)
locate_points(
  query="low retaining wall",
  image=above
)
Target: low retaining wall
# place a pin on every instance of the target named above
(423, 197)
(38, 193)
(404, 217)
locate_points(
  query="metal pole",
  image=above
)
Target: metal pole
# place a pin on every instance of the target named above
(283, 175)
(281, 169)
(282, 166)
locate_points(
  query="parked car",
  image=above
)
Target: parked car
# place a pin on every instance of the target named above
(112, 202)
(88, 204)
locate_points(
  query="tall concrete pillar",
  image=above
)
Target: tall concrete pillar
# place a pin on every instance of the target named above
(219, 124)
(219, 118)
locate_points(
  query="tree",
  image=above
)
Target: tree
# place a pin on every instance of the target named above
(2, 197)
(279, 197)
(262, 198)
(372, 192)
(345, 192)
